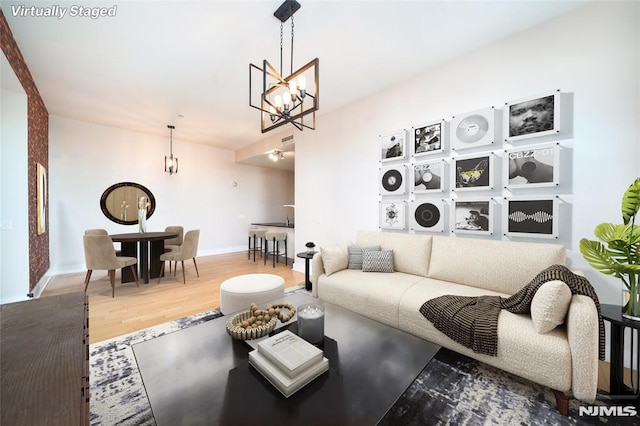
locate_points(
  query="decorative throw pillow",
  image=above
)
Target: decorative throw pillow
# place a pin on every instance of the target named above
(550, 305)
(355, 255)
(334, 258)
(377, 261)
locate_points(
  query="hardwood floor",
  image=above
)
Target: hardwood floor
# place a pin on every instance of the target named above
(134, 308)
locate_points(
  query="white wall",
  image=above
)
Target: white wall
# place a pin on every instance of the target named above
(85, 159)
(592, 54)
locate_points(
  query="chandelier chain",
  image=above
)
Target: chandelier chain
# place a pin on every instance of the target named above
(281, 26)
(291, 45)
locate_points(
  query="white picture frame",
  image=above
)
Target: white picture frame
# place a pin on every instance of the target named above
(393, 146)
(472, 216)
(393, 215)
(532, 217)
(473, 129)
(532, 166)
(473, 172)
(428, 177)
(532, 117)
(429, 138)
(393, 180)
(427, 215)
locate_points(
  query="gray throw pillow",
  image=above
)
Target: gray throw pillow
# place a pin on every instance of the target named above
(355, 255)
(377, 261)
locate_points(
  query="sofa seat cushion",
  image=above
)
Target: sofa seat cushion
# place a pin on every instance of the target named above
(371, 294)
(543, 358)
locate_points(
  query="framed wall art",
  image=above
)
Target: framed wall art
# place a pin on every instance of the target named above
(393, 180)
(393, 215)
(531, 167)
(533, 116)
(41, 202)
(473, 216)
(473, 129)
(429, 138)
(473, 172)
(532, 217)
(393, 146)
(427, 215)
(429, 177)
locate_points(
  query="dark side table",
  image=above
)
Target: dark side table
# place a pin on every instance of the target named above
(617, 389)
(307, 256)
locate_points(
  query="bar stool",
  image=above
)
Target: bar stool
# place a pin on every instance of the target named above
(276, 237)
(256, 234)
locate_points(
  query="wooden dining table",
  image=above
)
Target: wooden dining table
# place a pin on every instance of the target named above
(137, 244)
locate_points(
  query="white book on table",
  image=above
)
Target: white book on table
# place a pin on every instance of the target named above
(289, 352)
(286, 385)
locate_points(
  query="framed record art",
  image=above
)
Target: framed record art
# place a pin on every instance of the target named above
(427, 215)
(473, 216)
(533, 116)
(429, 138)
(393, 215)
(429, 177)
(473, 129)
(393, 146)
(473, 172)
(393, 180)
(532, 217)
(536, 166)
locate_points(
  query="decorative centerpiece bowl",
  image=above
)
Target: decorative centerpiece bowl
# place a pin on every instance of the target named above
(236, 329)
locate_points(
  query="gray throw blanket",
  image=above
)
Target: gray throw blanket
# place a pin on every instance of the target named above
(473, 321)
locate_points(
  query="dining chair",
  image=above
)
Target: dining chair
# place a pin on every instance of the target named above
(173, 244)
(188, 250)
(100, 255)
(99, 231)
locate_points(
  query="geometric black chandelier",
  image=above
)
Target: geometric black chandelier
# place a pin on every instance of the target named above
(285, 100)
(171, 162)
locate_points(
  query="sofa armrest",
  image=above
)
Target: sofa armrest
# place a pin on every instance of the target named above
(582, 332)
(317, 269)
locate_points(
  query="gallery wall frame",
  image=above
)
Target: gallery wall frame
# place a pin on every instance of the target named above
(393, 180)
(429, 138)
(429, 176)
(531, 117)
(533, 217)
(473, 216)
(41, 201)
(473, 129)
(393, 215)
(393, 146)
(473, 172)
(532, 166)
(427, 215)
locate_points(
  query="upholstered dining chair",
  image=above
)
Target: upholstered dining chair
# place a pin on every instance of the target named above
(98, 231)
(173, 244)
(188, 250)
(100, 255)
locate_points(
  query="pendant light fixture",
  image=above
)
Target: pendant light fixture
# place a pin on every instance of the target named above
(171, 162)
(286, 100)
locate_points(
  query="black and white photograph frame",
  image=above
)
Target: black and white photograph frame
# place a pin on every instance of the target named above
(427, 215)
(393, 180)
(532, 166)
(472, 216)
(473, 129)
(429, 176)
(532, 117)
(429, 138)
(393, 146)
(393, 215)
(473, 172)
(533, 217)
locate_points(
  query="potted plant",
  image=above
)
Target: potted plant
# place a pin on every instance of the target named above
(310, 247)
(618, 251)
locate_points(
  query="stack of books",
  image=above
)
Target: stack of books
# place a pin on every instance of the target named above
(288, 362)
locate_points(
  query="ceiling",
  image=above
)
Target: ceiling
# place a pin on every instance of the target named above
(186, 63)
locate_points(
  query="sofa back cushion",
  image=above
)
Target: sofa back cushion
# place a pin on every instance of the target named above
(503, 266)
(411, 252)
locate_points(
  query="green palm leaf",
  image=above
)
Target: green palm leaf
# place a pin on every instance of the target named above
(598, 256)
(631, 202)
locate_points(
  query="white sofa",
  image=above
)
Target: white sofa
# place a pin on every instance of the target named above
(563, 359)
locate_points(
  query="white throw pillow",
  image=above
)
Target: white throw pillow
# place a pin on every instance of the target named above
(550, 305)
(335, 258)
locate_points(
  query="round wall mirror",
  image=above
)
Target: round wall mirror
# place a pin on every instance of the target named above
(119, 202)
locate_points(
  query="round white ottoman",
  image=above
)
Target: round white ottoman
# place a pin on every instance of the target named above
(239, 292)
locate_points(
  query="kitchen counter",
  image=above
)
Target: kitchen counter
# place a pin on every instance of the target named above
(275, 224)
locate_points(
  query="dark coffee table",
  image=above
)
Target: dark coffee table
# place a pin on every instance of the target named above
(200, 375)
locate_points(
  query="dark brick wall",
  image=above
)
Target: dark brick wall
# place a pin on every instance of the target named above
(38, 152)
